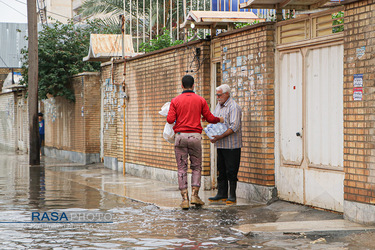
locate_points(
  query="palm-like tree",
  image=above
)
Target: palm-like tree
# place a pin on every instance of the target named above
(142, 25)
(116, 7)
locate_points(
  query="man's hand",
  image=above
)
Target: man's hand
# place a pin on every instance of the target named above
(221, 119)
(216, 138)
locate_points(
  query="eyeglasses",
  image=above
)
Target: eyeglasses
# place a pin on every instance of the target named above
(218, 95)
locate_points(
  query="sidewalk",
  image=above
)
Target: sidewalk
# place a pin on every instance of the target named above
(287, 218)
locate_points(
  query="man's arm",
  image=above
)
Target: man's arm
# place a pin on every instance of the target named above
(208, 116)
(171, 117)
(234, 124)
(219, 137)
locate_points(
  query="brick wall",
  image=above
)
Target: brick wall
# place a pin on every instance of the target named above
(151, 80)
(248, 58)
(75, 126)
(112, 92)
(359, 119)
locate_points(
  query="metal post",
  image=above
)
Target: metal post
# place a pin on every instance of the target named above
(157, 17)
(150, 20)
(204, 8)
(137, 27)
(170, 18)
(123, 34)
(178, 21)
(184, 9)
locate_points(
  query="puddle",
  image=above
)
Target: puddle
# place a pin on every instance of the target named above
(24, 190)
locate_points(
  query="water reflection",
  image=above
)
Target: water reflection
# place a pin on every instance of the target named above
(136, 225)
(37, 186)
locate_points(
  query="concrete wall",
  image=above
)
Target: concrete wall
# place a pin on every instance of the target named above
(73, 129)
(359, 119)
(14, 124)
(8, 111)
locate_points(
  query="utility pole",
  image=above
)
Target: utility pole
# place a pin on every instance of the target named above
(34, 157)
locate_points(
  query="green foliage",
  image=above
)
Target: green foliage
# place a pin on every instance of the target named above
(340, 22)
(160, 42)
(241, 25)
(61, 48)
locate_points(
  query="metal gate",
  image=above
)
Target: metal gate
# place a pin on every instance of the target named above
(309, 162)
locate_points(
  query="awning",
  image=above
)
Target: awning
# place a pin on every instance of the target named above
(291, 4)
(105, 46)
(218, 19)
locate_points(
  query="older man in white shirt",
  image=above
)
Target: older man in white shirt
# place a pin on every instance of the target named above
(228, 145)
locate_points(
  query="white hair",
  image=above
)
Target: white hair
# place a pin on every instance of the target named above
(224, 87)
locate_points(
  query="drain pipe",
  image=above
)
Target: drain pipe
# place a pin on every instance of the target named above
(122, 17)
(124, 119)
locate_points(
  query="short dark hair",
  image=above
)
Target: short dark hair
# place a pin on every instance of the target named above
(187, 81)
(40, 114)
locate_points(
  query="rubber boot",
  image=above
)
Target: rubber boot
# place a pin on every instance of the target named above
(195, 198)
(185, 199)
(222, 192)
(232, 193)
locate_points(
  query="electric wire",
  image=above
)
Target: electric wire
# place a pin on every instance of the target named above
(12, 8)
(4, 62)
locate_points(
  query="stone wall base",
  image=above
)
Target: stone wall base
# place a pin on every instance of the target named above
(244, 190)
(71, 155)
(359, 212)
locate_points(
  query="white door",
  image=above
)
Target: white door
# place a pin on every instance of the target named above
(310, 169)
(291, 143)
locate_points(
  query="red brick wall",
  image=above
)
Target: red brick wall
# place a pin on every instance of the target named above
(249, 70)
(75, 126)
(359, 121)
(151, 81)
(112, 78)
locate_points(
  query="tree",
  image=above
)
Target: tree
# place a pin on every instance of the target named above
(116, 7)
(61, 50)
(160, 42)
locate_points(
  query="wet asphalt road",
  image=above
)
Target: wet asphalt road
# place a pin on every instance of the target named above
(26, 190)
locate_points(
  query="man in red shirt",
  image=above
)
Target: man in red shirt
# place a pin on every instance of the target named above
(186, 110)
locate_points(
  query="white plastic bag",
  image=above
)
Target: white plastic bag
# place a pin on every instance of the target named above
(165, 109)
(215, 129)
(168, 133)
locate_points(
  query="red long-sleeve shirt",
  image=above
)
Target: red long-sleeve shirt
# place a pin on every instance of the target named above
(186, 109)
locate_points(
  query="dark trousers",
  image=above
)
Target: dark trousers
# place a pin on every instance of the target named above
(41, 140)
(228, 163)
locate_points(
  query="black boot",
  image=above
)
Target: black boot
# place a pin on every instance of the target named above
(232, 193)
(222, 192)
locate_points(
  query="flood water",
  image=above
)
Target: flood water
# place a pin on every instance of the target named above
(135, 225)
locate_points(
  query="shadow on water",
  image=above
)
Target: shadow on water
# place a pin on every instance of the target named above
(37, 186)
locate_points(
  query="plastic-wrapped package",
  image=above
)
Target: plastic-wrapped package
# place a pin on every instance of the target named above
(165, 109)
(168, 133)
(215, 129)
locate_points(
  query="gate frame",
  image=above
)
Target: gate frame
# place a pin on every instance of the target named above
(309, 41)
